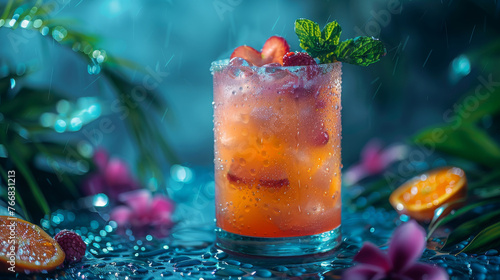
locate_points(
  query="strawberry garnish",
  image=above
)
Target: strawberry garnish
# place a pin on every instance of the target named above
(298, 59)
(274, 49)
(272, 52)
(248, 53)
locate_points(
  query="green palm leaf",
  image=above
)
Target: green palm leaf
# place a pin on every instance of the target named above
(467, 142)
(459, 214)
(19, 199)
(488, 238)
(28, 176)
(471, 227)
(25, 138)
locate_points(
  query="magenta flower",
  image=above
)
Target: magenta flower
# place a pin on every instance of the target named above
(407, 245)
(374, 160)
(112, 178)
(144, 213)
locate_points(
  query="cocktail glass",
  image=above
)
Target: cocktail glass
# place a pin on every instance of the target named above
(277, 135)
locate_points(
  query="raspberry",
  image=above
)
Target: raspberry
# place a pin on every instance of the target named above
(302, 59)
(298, 59)
(72, 245)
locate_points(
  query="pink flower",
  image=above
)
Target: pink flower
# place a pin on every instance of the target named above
(407, 245)
(374, 160)
(112, 178)
(143, 212)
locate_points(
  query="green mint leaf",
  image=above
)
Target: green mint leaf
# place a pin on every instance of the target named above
(309, 35)
(325, 44)
(360, 51)
(331, 34)
(327, 58)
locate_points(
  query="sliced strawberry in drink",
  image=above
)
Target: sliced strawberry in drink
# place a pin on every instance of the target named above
(273, 183)
(270, 176)
(249, 54)
(274, 49)
(237, 180)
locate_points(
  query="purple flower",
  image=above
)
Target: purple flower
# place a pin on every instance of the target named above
(407, 245)
(144, 213)
(374, 160)
(112, 178)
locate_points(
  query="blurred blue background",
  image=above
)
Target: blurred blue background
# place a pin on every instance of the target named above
(427, 67)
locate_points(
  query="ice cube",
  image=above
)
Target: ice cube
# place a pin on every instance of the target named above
(274, 71)
(238, 61)
(239, 68)
(268, 119)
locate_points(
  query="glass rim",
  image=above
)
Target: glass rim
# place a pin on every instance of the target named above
(219, 65)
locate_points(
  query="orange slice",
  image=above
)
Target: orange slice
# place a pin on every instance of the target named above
(34, 250)
(422, 195)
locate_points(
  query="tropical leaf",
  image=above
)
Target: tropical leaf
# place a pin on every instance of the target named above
(23, 168)
(375, 193)
(17, 108)
(484, 54)
(24, 136)
(484, 100)
(460, 213)
(445, 209)
(486, 179)
(123, 62)
(147, 137)
(486, 239)
(486, 192)
(19, 199)
(52, 150)
(471, 227)
(466, 141)
(7, 9)
(125, 88)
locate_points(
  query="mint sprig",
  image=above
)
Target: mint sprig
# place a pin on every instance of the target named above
(326, 46)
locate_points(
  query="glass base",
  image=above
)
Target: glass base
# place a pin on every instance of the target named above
(278, 247)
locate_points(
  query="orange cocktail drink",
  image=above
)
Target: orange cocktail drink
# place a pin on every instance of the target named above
(277, 157)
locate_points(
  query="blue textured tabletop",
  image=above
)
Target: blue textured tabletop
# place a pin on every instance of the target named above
(188, 251)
